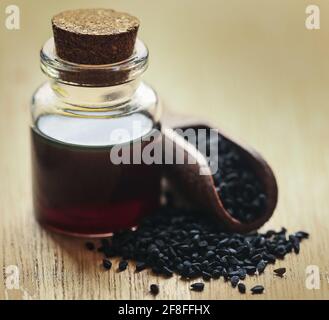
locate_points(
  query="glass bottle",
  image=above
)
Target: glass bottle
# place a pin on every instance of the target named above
(78, 116)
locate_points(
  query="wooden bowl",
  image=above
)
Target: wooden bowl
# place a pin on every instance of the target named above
(200, 189)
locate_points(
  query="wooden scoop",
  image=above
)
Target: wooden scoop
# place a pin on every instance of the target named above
(200, 189)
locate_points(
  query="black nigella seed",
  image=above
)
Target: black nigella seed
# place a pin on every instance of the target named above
(225, 274)
(269, 233)
(205, 264)
(302, 235)
(223, 242)
(232, 251)
(295, 243)
(257, 289)
(242, 273)
(194, 231)
(210, 254)
(270, 258)
(178, 260)
(242, 287)
(123, 264)
(203, 244)
(223, 261)
(256, 258)
(247, 262)
(261, 266)
(140, 266)
(167, 272)
(233, 261)
(211, 248)
(250, 270)
(154, 289)
(198, 286)
(223, 252)
(216, 274)
(107, 264)
(280, 251)
(195, 255)
(159, 243)
(242, 251)
(172, 251)
(280, 271)
(234, 281)
(206, 276)
(233, 273)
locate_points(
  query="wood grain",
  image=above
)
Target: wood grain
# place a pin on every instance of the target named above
(262, 77)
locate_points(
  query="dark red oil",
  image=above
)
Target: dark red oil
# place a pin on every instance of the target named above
(78, 190)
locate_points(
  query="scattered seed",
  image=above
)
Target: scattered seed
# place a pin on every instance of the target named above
(280, 271)
(165, 243)
(206, 276)
(198, 286)
(140, 266)
(242, 287)
(154, 289)
(234, 281)
(123, 264)
(107, 264)
(257, 289)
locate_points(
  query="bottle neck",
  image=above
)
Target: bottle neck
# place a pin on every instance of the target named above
(109, 97)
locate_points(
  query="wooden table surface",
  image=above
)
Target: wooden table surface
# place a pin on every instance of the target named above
(251, 67)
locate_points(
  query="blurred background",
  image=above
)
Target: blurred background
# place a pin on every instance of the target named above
(251, 67)
(230, 61)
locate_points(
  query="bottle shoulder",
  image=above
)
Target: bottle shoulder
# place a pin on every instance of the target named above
(95, 125)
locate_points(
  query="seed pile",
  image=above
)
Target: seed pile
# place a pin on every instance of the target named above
(191, 245)
(240, 190)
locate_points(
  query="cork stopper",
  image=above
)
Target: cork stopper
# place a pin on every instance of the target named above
(94, 36)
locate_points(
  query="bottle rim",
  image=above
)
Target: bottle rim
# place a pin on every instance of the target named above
(89, 75)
